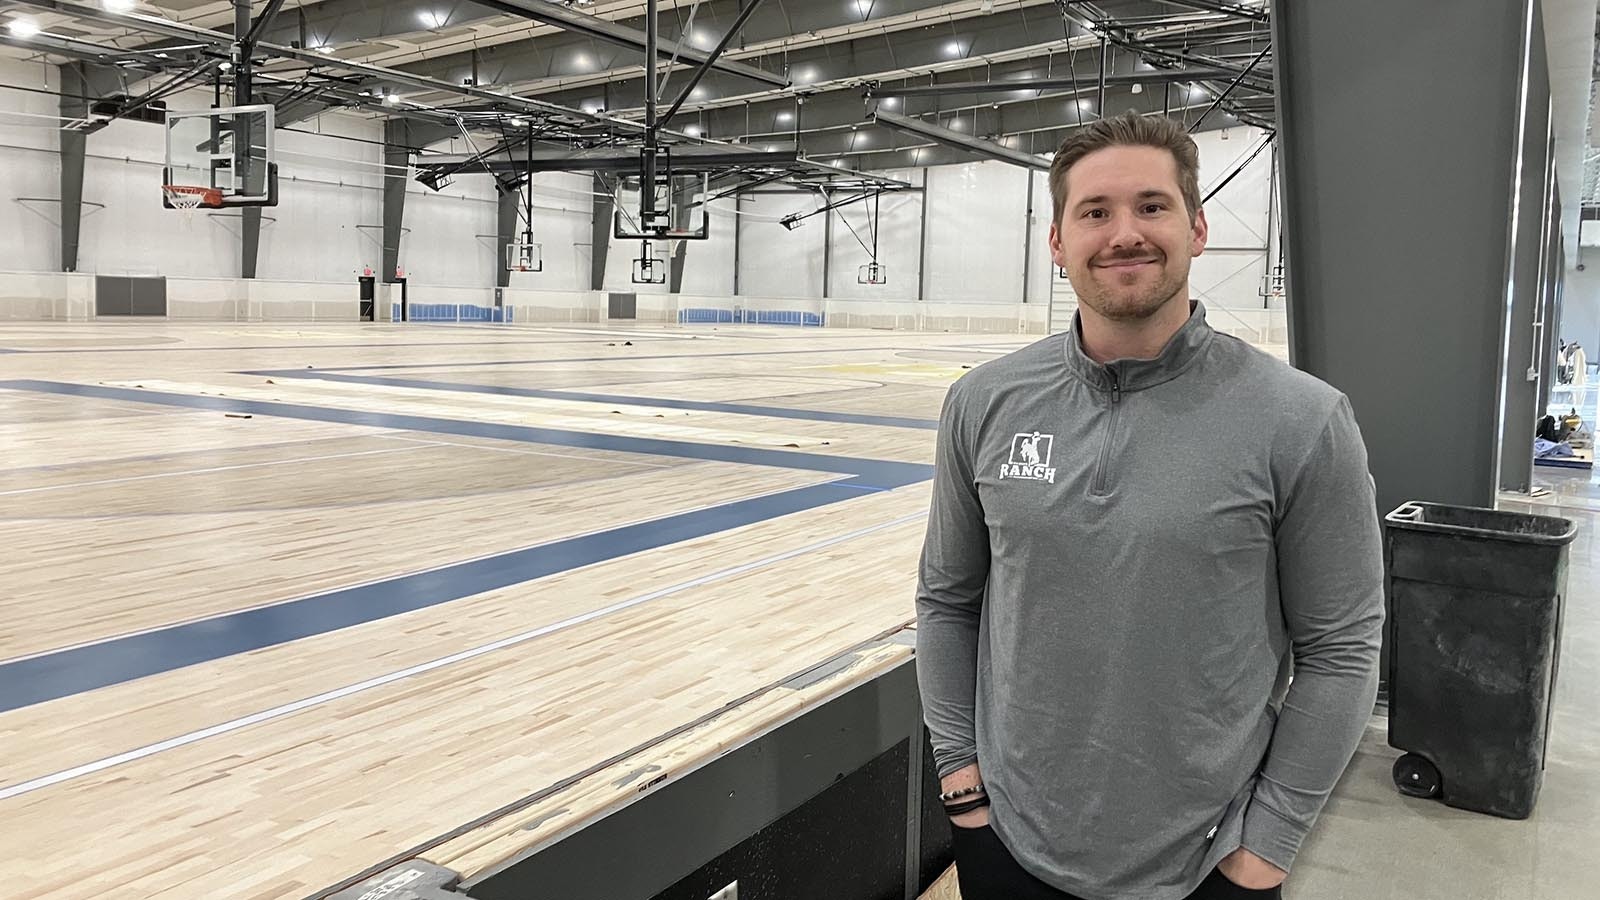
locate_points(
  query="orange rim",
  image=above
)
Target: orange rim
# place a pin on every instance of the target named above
(209, 197)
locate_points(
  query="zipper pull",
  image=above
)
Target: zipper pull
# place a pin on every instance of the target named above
(1116, 387)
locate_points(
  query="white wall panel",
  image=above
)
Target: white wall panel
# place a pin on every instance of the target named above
(1229, 274)
(562, 215)
(453, 237)
(30, 238)
(899, 233)
(708, 266)
(976, 223)
(329, 183)
(776, 262)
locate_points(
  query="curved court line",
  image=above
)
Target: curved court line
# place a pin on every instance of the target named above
(27, 787)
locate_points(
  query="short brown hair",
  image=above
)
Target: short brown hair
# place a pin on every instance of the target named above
(1130, 130)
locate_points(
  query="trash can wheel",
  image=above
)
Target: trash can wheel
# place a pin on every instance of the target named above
(1416, 777)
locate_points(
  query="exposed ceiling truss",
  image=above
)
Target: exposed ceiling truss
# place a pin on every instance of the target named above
(759, 90)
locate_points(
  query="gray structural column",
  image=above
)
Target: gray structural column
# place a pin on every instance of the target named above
(397, 163)
(1520, 378)
(244, 95)
(1552, 295)
(1397, 225)
(74, 143)
(604, 211)
(510, 218)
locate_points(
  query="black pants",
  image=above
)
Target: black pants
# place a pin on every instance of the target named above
(988, 871)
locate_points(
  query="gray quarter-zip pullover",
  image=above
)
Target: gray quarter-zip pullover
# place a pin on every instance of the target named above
(1123, 566)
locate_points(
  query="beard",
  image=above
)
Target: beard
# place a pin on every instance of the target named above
(1128, 297)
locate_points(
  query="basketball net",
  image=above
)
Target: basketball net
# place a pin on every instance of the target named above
(186, 199)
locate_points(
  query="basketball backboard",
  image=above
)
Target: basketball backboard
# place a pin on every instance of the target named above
(228, 150)
(675, 215)
(649, 268)
(524, 257)
(873, 273)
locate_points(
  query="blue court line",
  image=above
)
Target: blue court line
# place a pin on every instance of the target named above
(64, 673)
(613, 358)
(368, 346)
(742, 409)
(886, 474)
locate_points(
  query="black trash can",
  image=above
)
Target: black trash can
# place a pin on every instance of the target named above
(1476, 601)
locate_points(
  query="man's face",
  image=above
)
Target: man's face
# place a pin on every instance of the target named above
(1125, 237)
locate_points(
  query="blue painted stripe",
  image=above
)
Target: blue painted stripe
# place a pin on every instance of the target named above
(370, 345)
(64, 673)
(617, 357)
(886, 474)
(742, 409)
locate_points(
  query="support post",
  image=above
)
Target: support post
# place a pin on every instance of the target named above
(397, 163)
(244, 95)
(510, 203)
(604, 212)
(74, 144)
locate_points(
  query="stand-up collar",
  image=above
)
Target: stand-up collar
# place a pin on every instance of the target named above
(1137, 374)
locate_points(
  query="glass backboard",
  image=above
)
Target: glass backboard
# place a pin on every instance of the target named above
(229, 149)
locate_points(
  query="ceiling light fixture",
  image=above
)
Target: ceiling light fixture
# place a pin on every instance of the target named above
(23, 28)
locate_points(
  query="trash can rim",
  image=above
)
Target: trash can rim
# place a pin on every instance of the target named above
(1409, 516)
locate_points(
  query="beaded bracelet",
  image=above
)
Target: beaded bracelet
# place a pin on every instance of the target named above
(963, 792)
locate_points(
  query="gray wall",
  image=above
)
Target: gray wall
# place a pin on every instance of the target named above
(1396, 209)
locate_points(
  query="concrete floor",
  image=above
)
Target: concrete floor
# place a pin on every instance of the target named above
(1374, 844)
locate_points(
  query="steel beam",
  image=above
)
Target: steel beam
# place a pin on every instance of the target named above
(960, 141)
(716, 54)
(153, 25)
(1156, 76)
(607, 159)
(611, 32)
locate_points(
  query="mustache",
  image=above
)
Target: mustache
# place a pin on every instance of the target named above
(1113, 258)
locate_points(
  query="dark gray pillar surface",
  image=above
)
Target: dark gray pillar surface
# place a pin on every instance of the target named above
(74, 143)
(397, 160)
(604, 210)
(510, 204)
(1396, 229)
(1520, 390)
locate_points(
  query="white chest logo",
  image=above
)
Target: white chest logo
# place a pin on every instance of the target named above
(1030, 458)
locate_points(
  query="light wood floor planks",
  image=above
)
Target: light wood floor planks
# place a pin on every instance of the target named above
(272, 771)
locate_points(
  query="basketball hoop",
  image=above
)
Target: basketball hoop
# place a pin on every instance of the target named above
(188, 198)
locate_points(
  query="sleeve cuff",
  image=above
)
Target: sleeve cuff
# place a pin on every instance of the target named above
(955, 762)
(1271, 836)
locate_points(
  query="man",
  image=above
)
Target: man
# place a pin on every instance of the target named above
(1140, 529)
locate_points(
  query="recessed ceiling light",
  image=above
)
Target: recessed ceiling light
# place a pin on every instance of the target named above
(785, 118)
(431, 18)
(693, 131)
(119, 4)
(953, 48)
(24, 28)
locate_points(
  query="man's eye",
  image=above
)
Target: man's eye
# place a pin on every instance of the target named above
(1153, 207)
(1095, 214)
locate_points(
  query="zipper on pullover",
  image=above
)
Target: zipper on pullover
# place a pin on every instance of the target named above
(1099, 488)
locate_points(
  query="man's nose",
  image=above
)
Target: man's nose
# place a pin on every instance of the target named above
(1125, 232)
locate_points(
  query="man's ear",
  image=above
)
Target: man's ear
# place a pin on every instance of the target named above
(1059, 257)
(1202, 232)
